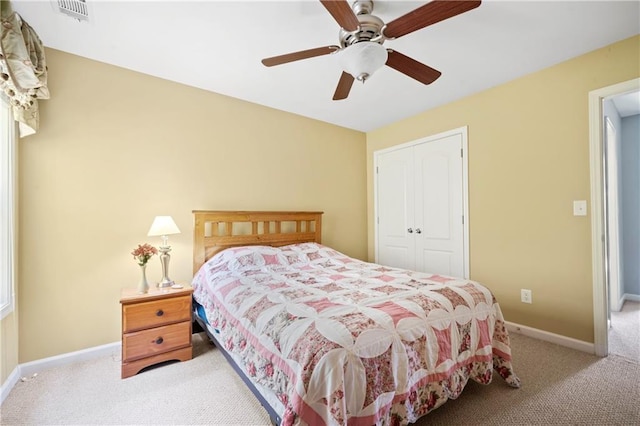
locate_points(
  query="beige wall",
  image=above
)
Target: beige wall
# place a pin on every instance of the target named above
(117, 148)
(528, 161)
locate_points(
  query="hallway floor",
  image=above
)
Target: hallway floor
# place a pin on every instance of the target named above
(624, 334)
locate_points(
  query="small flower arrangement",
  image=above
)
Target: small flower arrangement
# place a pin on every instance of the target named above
(143, 253)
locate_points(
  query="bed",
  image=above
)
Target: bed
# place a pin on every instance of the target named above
(323, 338)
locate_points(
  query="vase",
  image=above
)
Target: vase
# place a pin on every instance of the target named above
(143, 286)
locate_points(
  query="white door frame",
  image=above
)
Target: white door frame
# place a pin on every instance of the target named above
(463, 132)
(600, 296)
(612, 234)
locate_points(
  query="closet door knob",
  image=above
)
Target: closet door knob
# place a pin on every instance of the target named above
(410, 230)
(418, 231)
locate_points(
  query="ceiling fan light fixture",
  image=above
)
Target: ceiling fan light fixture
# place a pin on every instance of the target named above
(362, 59)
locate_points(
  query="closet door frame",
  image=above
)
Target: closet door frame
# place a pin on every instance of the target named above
(463, 132)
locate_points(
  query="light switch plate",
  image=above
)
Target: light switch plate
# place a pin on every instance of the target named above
(580, 208)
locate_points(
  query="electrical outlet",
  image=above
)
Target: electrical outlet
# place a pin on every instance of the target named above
(525, 296)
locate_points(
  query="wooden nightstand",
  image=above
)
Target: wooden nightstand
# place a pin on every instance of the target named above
(156, 327)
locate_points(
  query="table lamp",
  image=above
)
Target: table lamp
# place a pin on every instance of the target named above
(164, 226)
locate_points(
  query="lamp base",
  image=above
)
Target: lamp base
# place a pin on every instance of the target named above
(164, 260)
(165, 283)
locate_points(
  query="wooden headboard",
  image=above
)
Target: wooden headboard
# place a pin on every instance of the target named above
(215, 231)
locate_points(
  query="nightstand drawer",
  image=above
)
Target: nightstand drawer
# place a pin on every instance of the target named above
(154, 341)
(158, 312)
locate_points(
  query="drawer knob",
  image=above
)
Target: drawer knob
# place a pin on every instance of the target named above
(158, 341)
(160, 313)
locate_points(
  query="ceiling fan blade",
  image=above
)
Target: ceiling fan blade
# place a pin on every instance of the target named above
(342, 13)
(412, 68)
(296, 56)
(428, 14)
(344, 86)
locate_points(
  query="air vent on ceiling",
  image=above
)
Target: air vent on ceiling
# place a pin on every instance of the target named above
(75, 8)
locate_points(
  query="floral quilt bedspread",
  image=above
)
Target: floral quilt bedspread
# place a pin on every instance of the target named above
(344, 341)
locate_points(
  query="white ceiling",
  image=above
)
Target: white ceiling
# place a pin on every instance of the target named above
(218, 45)
(627, 104)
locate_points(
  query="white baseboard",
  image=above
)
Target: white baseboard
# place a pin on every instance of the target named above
(558, 339)
(626, 296)
(631, 297)
(30, 368)
(9, 383)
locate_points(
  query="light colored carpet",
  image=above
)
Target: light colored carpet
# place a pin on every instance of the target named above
(624, 334)
(560, 386)
(201, 391)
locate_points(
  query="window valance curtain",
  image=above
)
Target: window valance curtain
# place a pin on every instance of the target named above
(23, 69)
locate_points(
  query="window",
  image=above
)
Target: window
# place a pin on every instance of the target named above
(7, 208)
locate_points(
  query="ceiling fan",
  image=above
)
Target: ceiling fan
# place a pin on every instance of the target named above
(362, 35)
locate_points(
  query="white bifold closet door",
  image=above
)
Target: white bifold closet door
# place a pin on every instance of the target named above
(420, 206)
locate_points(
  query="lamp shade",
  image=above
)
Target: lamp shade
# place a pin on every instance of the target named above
(163, 225)
(362, 59)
